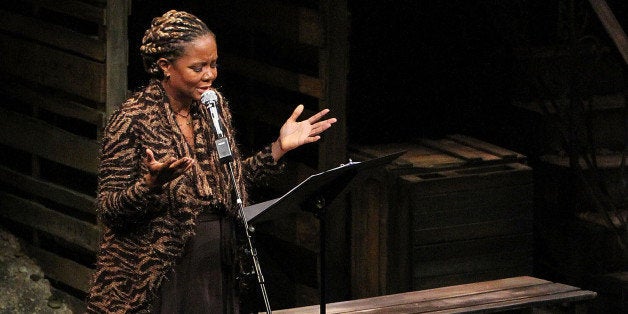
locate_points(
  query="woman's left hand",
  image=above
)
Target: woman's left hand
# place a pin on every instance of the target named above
(294, 134)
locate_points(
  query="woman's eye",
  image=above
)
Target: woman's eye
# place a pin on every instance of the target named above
(197, 69)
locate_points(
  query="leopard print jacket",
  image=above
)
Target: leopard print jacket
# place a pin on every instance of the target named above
(145, 230)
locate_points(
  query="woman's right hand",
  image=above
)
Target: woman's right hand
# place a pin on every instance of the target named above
(162, 172)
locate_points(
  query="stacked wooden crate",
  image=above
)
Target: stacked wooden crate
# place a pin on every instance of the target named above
(449, 211)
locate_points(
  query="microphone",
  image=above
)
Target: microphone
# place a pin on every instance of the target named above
(209, 98)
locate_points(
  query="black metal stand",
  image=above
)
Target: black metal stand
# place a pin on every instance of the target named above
(315, 195)
(225, 156)
(318, 206)
(256, 264)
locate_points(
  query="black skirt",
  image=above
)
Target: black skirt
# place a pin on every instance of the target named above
(202, 281)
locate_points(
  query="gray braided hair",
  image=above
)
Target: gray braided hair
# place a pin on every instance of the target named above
(166, 36)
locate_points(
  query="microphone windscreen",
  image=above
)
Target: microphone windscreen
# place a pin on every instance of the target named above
(209, 97)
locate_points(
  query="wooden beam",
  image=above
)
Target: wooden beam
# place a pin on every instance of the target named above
(79, 9)
(60, 269)
(272, 17)
(612, 26)
(42, 139)
(51, 191)
(273, 75)
(48, 101)
(117, 53)
(333, 69)
(37, 216)
(53, 35)
(51, 67)
(332, 148)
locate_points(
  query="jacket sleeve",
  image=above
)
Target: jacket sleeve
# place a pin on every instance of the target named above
(123, 195)
(261, 166)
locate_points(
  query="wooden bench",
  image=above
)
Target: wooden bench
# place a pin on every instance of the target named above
(488, 296)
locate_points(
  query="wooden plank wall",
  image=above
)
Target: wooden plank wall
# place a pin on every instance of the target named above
(64, 70)
(57, 63)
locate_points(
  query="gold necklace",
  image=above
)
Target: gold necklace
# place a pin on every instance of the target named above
(187, 121)
(181, 115)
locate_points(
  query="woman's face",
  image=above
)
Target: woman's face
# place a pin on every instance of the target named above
(193, 73)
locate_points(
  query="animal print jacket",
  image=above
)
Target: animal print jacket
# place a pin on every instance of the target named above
(145, 230)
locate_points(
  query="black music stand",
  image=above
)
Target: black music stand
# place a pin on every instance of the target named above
(314, 195)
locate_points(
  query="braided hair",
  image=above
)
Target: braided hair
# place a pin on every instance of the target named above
(166, 36)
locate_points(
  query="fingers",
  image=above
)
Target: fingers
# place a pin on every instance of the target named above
(318, 116)
(181, 164)
(312, 139)
(313, 119)
(149, 157)
(321, 126)
(296, 113)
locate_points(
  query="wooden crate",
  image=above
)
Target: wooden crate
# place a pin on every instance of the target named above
(469, 224)
(449, 211)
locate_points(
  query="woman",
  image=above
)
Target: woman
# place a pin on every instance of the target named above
(165, 201)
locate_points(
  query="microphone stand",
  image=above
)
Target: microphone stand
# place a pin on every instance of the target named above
(258, 268)
(225, 156)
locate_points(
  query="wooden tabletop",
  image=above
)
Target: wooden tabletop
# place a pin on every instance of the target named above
(495, 295)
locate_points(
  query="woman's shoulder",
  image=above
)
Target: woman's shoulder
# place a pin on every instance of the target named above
(142, 101)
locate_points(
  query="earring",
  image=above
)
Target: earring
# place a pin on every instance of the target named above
(167, 76)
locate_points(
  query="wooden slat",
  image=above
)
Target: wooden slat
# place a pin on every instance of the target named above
(493, 295)
(72, 230)
(37, 137)
(117, 53)
(459, 216)
(458, 180)
(53, 35)
(274, 18)
(272, 75)
(532, 295)
(538, 301)
(521, 268)
(333, 71)
(417, 158)
(439, 205)
(61, 269)
(612, 26)
(444, 251)
(487, 147)
(51, 191)
(51, 67)
(471, 265)
(419, 296)
(80, 9)
(332, 150)
(475, 230)
(469, 154)
(368, 238)
(63, 107)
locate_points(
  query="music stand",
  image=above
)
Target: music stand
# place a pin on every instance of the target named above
(314, 195)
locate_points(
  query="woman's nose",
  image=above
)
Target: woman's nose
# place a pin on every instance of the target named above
(208, 75)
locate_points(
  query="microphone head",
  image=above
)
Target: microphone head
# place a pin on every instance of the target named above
(209, 97)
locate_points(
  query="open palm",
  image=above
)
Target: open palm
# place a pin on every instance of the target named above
(294, 134)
